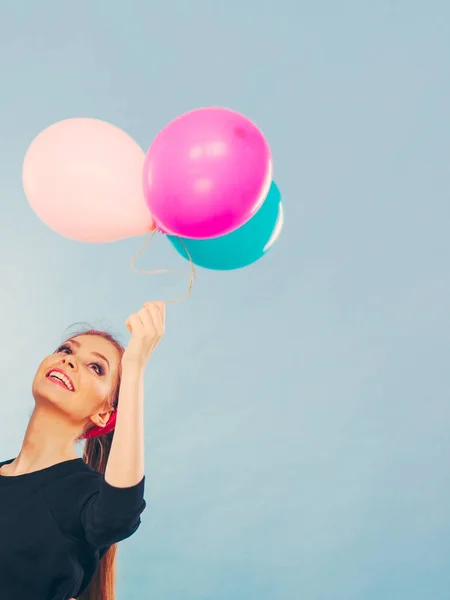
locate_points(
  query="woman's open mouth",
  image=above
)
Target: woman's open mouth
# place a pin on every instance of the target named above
(57, 376)
(58, 382)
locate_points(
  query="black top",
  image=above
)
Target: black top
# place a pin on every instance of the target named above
(55, 526)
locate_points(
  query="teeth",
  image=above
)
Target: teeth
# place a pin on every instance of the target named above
(62, 378)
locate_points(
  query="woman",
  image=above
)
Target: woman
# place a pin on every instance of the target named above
(61, 516)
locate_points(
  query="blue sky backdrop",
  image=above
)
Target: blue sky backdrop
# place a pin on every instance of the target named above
(297, 412)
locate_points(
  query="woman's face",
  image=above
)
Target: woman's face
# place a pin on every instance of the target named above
(78, 379)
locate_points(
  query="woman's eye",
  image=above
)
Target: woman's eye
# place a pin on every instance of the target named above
(63, 348)
(99, 369)
(68, 350)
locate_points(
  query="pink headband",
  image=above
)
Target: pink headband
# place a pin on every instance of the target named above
(97, 431)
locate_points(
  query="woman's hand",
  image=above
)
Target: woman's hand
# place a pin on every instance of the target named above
(146, 328)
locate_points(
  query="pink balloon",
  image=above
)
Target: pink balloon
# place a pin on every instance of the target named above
(207, 173)
(83, 178)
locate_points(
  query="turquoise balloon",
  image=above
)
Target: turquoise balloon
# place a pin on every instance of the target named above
(241, 247)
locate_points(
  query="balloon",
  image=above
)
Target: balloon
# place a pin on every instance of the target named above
(241, 247)
(83, 178)
(206, 173)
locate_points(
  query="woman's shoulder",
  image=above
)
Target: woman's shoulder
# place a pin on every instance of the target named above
(65, 497)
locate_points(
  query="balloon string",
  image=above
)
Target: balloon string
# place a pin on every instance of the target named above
(191, 276)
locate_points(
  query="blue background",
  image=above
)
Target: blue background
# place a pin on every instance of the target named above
(297, 412)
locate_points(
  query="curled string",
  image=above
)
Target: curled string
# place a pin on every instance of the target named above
(191, 276)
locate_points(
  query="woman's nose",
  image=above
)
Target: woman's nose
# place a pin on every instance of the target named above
(69, 362)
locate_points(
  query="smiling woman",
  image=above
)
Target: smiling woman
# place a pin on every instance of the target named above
(87, 364)
(61, 516)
